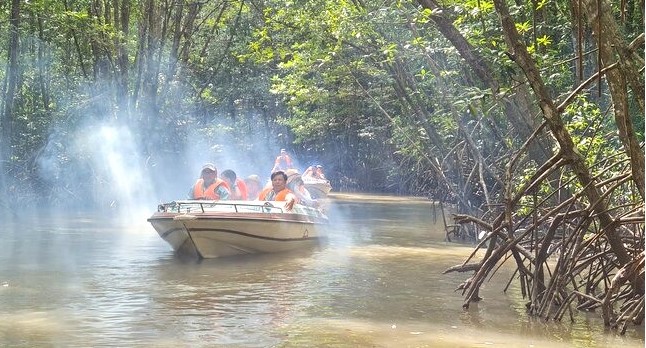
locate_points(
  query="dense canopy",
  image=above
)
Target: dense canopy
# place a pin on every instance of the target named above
(526, 117)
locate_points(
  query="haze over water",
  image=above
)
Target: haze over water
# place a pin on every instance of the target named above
(97, 281)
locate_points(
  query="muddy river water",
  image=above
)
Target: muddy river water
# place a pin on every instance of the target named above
(97, 281)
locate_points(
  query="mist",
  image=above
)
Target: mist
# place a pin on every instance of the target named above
(107, 166)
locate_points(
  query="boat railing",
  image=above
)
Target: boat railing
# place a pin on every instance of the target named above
(201, 206)
(194, 206)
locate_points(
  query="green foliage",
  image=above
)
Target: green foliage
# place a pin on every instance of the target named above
(375, 78)
(589, 129)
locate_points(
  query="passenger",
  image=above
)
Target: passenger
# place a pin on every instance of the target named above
(309, 171)
(297, 186)
(314, 172)
(283, 162)
(254, 186)
(318, 172)
(237, 186)
(278, 191)
(208, 186)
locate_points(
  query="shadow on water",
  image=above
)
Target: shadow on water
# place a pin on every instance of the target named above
(376, 282)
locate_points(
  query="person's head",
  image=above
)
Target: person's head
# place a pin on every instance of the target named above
(253, 181)
(209, 172)
(294, 178)
(253, 178)
(278, 180)
(229, 176)
(283, 152)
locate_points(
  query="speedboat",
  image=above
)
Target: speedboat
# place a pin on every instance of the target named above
(211, 229)
(318, 188)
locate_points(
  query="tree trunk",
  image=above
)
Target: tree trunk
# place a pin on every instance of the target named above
(613, 49)
(177, 35)
(43, 80)
(568, 150)
(77, 46)
(150, 65)
(10, 88)
(122, 26)
(517, 109)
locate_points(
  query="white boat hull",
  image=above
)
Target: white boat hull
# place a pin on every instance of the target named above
(317, 188)
(219, 232)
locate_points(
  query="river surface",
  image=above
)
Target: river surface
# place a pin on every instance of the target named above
(93, 281)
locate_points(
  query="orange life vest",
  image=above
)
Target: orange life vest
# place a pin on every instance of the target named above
(283, 162)
(280, 196)
(241, 190)
(199, 192)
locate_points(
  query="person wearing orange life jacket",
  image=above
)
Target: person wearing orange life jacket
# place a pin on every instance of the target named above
(253, 186)
(283, 162)
(208, 186)
(278, 191)
(237, 186)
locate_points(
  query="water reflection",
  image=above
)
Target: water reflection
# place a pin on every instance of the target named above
(78, 281)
